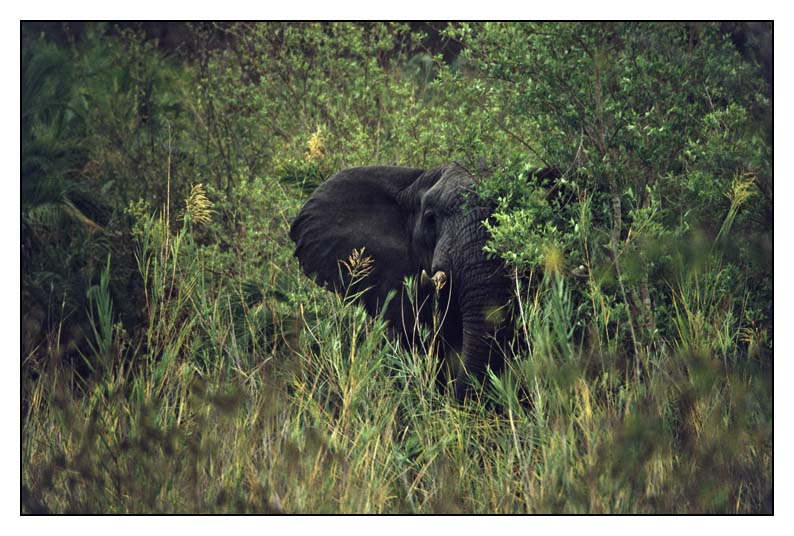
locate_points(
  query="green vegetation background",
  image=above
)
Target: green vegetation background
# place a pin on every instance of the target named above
(174, 358)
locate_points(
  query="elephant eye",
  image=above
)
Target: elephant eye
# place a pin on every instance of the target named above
(429, 225)
(429, 219)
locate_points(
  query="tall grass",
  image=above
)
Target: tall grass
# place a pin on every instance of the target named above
(250, 390)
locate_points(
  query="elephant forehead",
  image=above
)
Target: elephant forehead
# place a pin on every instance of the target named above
(448, 189)
(457, 177)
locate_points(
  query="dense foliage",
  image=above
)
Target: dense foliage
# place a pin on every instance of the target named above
(174, 359)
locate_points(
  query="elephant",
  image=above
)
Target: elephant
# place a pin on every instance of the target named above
(413, 222)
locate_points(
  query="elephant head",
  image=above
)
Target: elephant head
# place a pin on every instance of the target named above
(411, 222)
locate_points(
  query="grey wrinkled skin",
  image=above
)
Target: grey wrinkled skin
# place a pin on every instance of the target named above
(412, 221)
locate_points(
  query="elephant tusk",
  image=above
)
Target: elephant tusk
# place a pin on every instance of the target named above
(438, 280)
(425, 279)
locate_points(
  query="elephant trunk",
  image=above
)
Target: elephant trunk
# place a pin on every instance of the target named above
(483, 321)
(483, 295)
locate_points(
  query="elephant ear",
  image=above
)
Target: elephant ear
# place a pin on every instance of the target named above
(357, 208)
